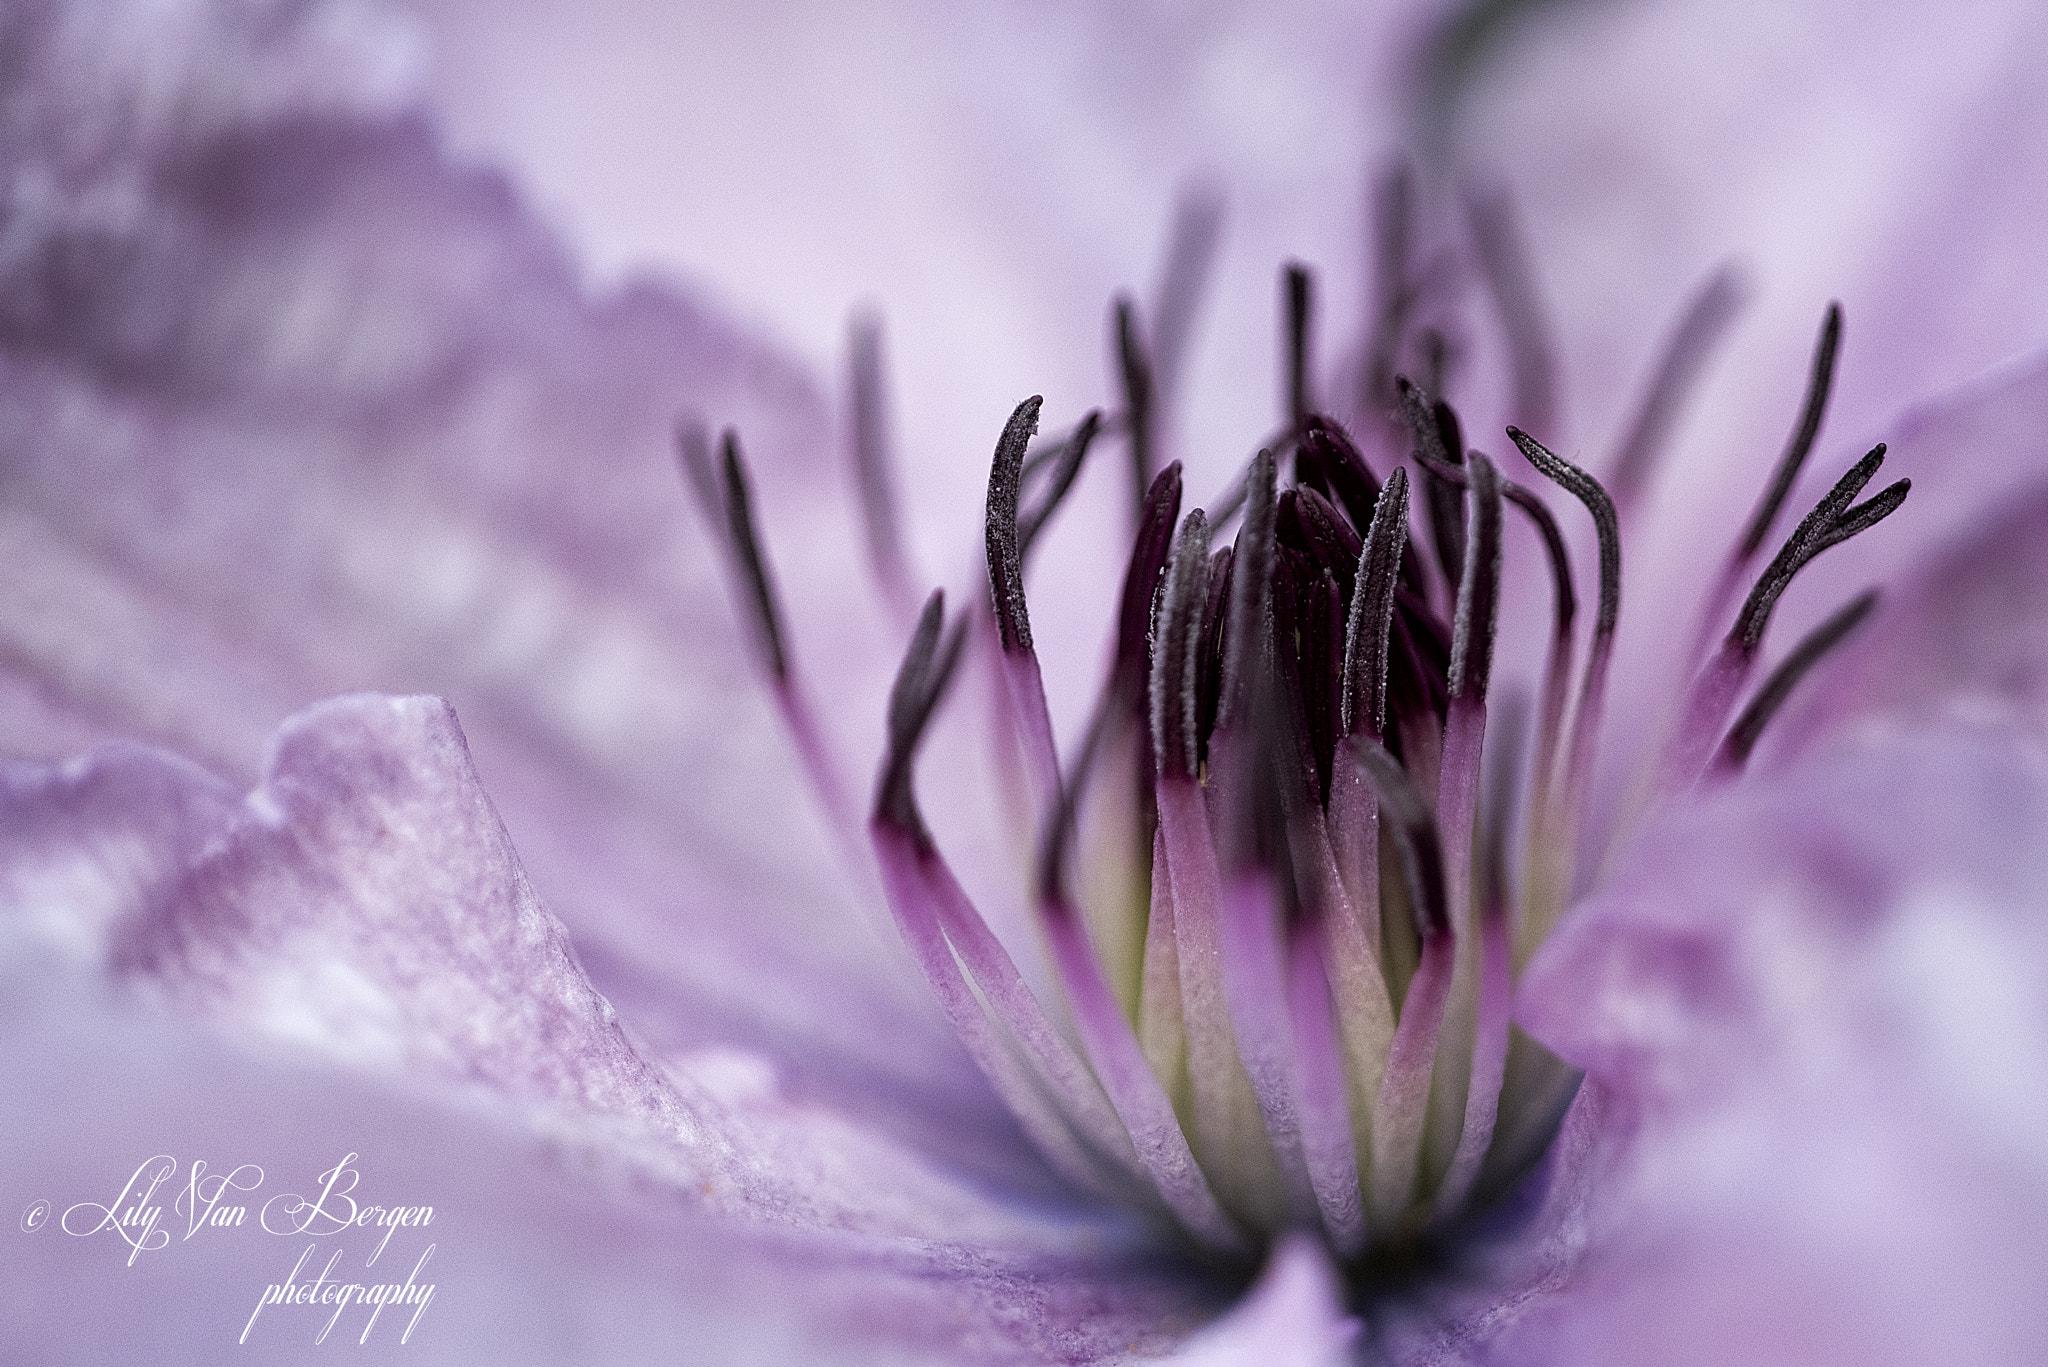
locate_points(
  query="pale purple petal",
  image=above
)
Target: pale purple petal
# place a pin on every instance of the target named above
(292, 403)
(360, 927)
(1819, 998)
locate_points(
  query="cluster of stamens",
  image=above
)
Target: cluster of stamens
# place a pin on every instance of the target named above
(1302, 1019)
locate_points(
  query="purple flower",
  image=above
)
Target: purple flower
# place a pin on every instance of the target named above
(294, 406)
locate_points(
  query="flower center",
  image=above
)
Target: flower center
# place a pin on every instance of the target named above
(1276, 882)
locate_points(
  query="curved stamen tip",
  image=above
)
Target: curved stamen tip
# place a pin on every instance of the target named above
(1835, 519)
(1005, 558)
(1606, 524)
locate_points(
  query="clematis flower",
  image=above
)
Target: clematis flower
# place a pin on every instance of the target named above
(295, 407)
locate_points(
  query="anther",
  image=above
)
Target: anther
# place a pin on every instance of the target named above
(1176, 651)
(1329, 536)
(1538, 513)
(1819, 382)
(1005, 562)
(1472, 629)
(1030, 523)
(921, 681)
(1363, 698)
(1606, 525)
(1252, 577)
(1444, 500)
(1832, 521)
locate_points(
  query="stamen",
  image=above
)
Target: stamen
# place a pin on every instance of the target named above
(1495, 987)
(746, 549)
(1714, 691)
(1005, 562)
(1401, 1107)
(1328, 461)
(1819, 382)
(723, 498)
(1149, 560)
(1135, 371)
(1472, 629)
(1458, 801)
(1831, 522)
(1606, 524)
(1538, 513)
(874, 457)
(1295, 610)
(1252, 577)
(1444, 499)
(1176, 652)
(1030, 523)
(1556, 834)
(1112, 1045)
(921, 680)
(1328, 537)
(1214, 647)
(1297, 291)
(1364, 691)
(1017, 663)
(1414, 829)
(1505, 264)
(1328, 1135)
(1707, 315)
(1714, 606)
(938, 922)
(1197, 228)
(1742, 737)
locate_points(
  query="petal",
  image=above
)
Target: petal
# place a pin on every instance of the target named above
(360, 928)
(1879, 154)
(291, 403)
(991, 176)
(1294, 1317)
(1822, 1000)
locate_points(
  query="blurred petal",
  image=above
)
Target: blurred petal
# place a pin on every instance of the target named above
(1895, 164)
(361, 919)
(291, 404)
(989, 176)
(1820, 998)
